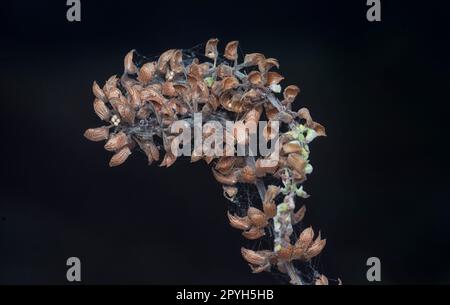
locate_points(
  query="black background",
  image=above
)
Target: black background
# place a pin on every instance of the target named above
(380, 185)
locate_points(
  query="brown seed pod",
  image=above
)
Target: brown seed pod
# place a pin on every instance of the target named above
(254, 257)
(198, 70)
(299, 215)
(305, 238)
(98, 92)
(273, 78)
(224, 71)
(253, 233)
(168, 160)
(129, 66)
(229, 192)
(126, 113)
(135, 98)
(149, 94)
(163, 61)
(321, 280)
(247, 175)
(146, 73)
(143, 113)
(253, 59)
(292, 147)
(314, 249)
(211, 48)
(303, 113)
(101, 110)
(255, 78)
(285, 253)
(176, 62)
(265, 166)
(150, 150)
(229, 82)
(270, 209)
(225, 164)
(290, 93)
(116, 141)
(296, 162)
(120, 157)
(230, 179)
(241, 223)
(110, 85)
(231, 50)
(168, 89)
(97, 134)
(257, 217)
(267, 64)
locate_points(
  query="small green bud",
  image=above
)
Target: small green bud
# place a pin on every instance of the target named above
(308, 168)
(311, 134)
(209, 81)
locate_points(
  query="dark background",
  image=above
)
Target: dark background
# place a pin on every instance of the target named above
(380, 185)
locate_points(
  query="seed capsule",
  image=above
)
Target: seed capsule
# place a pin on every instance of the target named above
(116, 141)
(257, 217)
(98, 92)
(120, 157)
(97, 134)
(231, 50)
(254, 233)
(241, 223)
(129, 66)
(101, 110)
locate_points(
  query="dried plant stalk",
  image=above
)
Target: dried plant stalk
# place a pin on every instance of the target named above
(151, 95)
